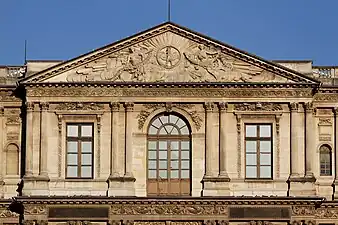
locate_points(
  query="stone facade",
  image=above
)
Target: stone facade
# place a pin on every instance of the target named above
(215, 89)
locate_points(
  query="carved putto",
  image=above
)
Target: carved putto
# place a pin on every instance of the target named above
(170, 58)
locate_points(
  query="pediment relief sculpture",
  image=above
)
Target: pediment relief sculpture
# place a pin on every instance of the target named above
(170, 58)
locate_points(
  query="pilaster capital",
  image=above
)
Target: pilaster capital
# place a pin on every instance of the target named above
(294, 106)
(209, 106)
(128, 222)
(115, 106)
(222, 106)
(308, 106)
(335, 111)
(44, 106)
(129, 106)
(30, 106)
(209, 222)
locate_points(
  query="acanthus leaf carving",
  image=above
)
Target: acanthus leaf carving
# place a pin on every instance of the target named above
(13, 119)
(169, 57)
(325, 213)
(303, 210)
(264, 106)
(79, 106)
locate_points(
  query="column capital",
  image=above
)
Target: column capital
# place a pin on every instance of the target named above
(115, 106)
(222, 106)
(44, 106)
(294, 106)
(209, 106)
(129, 106)
(308, 106)
(30, 106)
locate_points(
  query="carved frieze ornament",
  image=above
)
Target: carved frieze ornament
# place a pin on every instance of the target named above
(35, 210)
(259, 106)
(78, 222)
(79, 106)
(303, 210)
(325, 121)
(209, 222)
(14, 119)
(8, 214)
(42, 222)
(114, 222)
(169, 57)
(310, 222)
(223, 222)
(149, 108)
(28, 222)
(327, 213)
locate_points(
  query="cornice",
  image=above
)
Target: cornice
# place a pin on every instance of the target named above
(181, 31)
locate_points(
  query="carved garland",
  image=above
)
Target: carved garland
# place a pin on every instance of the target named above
(326, 213)
(149, 108)
(79, 106)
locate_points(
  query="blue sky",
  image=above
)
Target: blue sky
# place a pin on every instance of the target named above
(272, 29)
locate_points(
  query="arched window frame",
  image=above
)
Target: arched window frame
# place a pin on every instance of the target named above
(325, 160)
(180, 134)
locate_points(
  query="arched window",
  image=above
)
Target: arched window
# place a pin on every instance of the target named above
(325, 160)
(12, 160)
(169, 156)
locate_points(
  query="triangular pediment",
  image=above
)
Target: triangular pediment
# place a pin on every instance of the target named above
(168, 53)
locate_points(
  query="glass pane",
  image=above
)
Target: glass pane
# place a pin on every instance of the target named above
(152, 174)
(265, 171)
(180, 123)
(164, 119)
(169, 128)
(86, 159)
(72, 159)
(251, 159)
(86, 131)
(174, 145)
(265, 146)
(185, 154)
(152, 130)
(174, 164)
(251, 146)
(174, 174)
(174, 155)
(163, 131)
(173, 119)
(72, 146)
(72, 131)
(251, 172)
(185, 164)
(163, 174)
(86, 146)
(71, 171)
(251, 130)
(152, 154)
(86, 171)
(163, 155)
(265, 131)
(163, 164)
(163, 145)
(324, 157)
(185, 130)
(185, 174)
(185, 145)
(265, 159)
(157, 123)
(151, 164)
(151, 144)
(174, 131)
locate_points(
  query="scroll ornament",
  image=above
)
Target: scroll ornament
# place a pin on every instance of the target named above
(79, 106)
(264, 106)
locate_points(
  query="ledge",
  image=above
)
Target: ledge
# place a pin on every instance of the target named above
(302, 179)
(36, 178)
(122, 179)
(215, 179)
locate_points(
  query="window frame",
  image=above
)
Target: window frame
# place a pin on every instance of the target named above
(79, 153)
(321, 151)
(257, 139)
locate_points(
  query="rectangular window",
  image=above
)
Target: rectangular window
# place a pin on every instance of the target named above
(79, 151)
(258, 151)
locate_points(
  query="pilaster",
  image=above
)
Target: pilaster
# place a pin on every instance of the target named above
(335, 196)
(2, 158)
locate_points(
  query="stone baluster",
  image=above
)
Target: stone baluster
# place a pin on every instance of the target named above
(209, 136)
(44, 139)
(222, 139)
(129, 107)
(310, 140)
(29, 140)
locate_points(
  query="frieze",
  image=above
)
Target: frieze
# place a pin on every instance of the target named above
(169, 210)
(327, 213)
(13, 120)
(144, 114)
(325, 122)
(35, 210)
(259, 222)
(185, 223)
(79, 106)
(303, 210)
(170, 92)
(259, 106)
(149, 223)
(8, 214)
